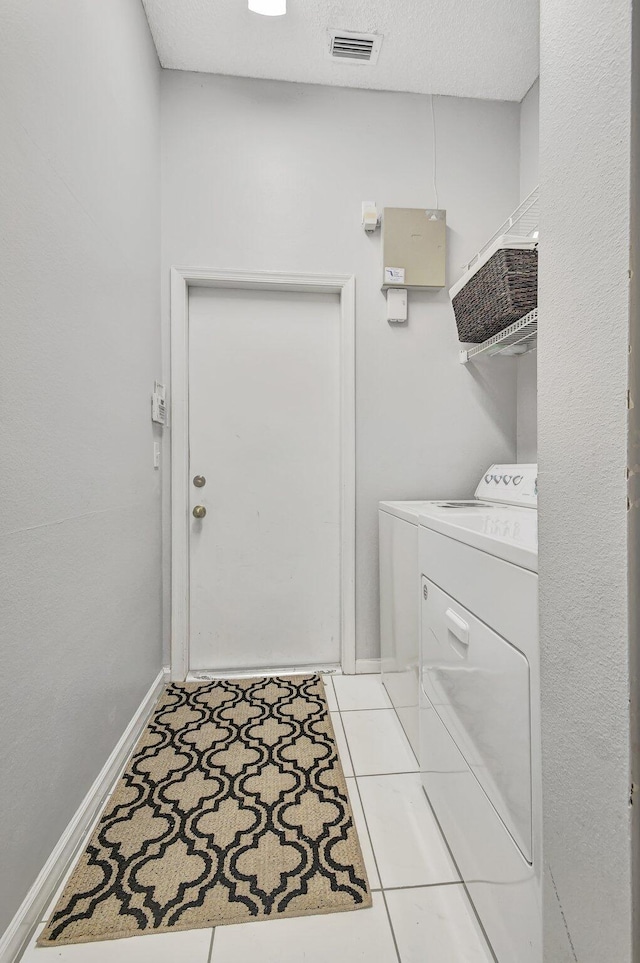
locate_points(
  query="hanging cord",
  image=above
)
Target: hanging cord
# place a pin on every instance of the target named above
(435, 153)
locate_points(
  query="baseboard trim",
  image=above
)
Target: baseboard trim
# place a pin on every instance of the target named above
(365, 666)
(209, 675)
(29, 914)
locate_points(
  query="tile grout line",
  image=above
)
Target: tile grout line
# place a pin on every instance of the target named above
(450, 882)
(392, 889)
(384, 889)
(393, 932)
(210, 954)
(376, 775)
(461, 880)
(335, 698)
(346, 742)
(364, 816)
(373, 852)
(366, 824)
(355, 779)
(362, 708)
(375, 859)
(371, 709)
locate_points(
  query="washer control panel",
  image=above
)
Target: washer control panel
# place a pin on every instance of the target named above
(510, 485)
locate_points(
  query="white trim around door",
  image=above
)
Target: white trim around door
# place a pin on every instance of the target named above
(181, 280)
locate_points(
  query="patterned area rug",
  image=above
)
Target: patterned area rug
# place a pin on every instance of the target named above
(232, 808)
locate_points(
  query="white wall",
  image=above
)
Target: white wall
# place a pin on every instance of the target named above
(79, 501)
(527, 364)
(529, 140)
(527, 401)
(585, 179)
(265, 175)
(634, 478)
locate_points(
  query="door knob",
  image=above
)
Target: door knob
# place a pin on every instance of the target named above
(199, 511)
(199, 481)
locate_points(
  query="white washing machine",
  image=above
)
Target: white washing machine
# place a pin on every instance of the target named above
(480, 699)
(400, 611)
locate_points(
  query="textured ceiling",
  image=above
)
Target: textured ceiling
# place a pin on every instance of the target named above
(464, 48)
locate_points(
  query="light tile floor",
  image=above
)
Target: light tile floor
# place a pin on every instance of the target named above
(420, 911)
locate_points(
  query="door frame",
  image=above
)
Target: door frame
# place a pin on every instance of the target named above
(182, 279)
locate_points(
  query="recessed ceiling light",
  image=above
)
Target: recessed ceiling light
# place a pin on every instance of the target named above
(268, 8)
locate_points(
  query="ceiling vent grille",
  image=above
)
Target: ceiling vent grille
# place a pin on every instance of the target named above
(355, 48)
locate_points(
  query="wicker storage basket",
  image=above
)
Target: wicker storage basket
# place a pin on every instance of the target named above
(502, 291)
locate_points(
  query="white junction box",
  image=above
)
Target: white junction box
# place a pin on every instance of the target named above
(396, 305)
(370, 218)
(414, 248)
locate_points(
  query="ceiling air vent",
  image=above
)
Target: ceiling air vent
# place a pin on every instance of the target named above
(355, 48)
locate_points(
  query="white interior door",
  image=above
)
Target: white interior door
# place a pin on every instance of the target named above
(264, 431)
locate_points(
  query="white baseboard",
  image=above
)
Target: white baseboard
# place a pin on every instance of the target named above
(365, 666)
(41, 893)
(210, 675)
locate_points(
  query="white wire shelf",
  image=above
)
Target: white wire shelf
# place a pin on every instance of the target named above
(519, 337)
(522, 223)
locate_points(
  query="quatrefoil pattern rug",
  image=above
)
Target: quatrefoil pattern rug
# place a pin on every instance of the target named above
(233, 807)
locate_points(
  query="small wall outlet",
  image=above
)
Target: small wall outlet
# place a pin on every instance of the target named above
(156, 455)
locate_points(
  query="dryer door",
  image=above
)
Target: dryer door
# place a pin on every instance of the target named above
(478, 684)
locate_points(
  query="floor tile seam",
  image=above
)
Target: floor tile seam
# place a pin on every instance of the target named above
(462, 881)
(337, 712)
(375, 775)
(370, 709)
(404, 772)
(364, 816)
(393, 932)
(364, 775)
(443, 837)
(449, 882)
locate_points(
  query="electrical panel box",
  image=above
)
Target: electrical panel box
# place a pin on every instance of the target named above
(414, 248)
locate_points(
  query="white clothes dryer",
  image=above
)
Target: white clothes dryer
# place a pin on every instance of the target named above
(480, 699)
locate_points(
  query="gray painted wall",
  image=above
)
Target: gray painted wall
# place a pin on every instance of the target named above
(80, 503)
(529, 140)
(585, 177)
(527, 364)
(527, 403)
(634, 479)
(271, 176)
